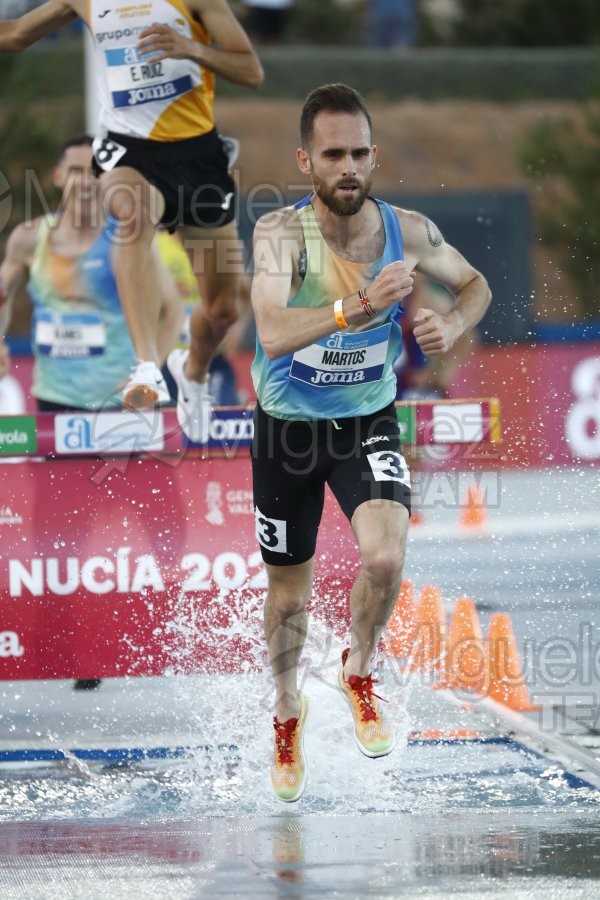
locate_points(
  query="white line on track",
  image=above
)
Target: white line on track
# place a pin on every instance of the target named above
(542, 524)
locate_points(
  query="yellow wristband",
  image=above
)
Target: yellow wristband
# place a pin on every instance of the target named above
(338, 311)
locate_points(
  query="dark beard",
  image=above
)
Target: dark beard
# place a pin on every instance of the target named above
(342, 206)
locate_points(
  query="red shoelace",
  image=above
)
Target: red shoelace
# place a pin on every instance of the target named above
(284, 740)
(363, 688)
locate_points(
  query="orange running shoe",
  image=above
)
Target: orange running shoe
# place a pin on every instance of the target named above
(374, 736)
(288, 772)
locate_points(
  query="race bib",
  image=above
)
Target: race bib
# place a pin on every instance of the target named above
(270, 533)
(389, 465)
(134, 79)
(343, 359)
(69, 336)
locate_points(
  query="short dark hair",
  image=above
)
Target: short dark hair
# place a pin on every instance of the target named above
(337, 98)
(78, 140)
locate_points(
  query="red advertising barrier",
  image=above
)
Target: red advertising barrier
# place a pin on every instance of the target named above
(124, 551)
(550, 401)
(152, 567)
(549, 396)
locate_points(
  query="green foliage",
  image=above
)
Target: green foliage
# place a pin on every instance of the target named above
(565, 167)
(29, 141)
(41, 104)
(28, 144)
(529, 23)
(325, 22)
(52, 69)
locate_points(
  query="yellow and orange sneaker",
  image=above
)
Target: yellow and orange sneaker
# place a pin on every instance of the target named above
(288, 772)
(373, 734)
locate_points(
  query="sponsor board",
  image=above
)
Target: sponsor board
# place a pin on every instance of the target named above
(10, 645)
(407, 423)
(8, 516)
(105, 433)
(457, 423)
(222, 501)
(123, 572)
(231, 429)
(18, 435)
(582, 421)
(150, 571)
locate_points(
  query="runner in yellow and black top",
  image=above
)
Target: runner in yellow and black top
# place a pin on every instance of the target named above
(161, 160)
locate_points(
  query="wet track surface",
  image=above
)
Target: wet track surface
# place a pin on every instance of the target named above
(159, 787)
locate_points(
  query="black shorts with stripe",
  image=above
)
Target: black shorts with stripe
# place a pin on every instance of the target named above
(192, 175)
(359, 458)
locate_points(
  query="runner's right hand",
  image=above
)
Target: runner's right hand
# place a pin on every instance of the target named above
(393, 283)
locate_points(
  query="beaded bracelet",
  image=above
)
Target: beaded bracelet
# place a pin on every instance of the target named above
(364, 302)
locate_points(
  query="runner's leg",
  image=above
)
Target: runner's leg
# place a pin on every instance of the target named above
(137, 206)
(285, 623)
(380, 528)
(217, 258)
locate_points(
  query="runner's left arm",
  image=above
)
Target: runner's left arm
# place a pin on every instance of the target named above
(18, 34)
(14, 275)
(231, 57)
(433, 256)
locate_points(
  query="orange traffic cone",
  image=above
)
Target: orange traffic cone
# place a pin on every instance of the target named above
(429, 641)
(465, 658)
(505, 675)
(398, 636)
(473, 513)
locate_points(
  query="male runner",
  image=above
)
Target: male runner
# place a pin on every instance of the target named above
(161, 160)
(64, 264)
(330, 275)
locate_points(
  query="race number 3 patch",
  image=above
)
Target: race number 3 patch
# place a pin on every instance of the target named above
(389, 465)
(271, 533)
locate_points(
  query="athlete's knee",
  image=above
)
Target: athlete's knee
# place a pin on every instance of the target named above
(287, 605)
(135, 223)
(287, 597)
(223, 308)
(383, 565)
(133, 211)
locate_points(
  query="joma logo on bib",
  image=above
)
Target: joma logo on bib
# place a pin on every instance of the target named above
(147, 94)
(321, 377)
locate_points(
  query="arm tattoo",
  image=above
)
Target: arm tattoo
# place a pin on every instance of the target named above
(302, 260)
(434, 235)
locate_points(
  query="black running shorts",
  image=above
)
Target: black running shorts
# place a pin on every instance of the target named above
(192, 175)
(292, 461)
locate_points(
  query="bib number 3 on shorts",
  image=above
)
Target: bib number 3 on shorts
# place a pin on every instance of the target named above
(271, 533)
(389, 465)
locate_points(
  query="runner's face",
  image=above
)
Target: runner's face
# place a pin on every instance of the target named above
(340, 160)
(73, 175)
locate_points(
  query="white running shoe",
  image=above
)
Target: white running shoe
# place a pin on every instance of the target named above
(146, 387)
(193, 400)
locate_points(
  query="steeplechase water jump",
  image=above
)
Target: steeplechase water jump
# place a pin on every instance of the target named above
(227, 663)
